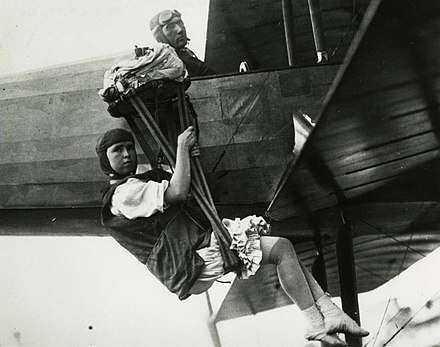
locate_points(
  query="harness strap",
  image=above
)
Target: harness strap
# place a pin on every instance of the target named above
(199, 186)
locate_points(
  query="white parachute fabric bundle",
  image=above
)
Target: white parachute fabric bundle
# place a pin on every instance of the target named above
(156, 63)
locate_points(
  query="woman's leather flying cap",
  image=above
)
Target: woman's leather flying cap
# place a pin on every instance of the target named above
(105, 141)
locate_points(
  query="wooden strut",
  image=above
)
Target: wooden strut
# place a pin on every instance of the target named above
(199, 187)
(347, 277)
(196, 167)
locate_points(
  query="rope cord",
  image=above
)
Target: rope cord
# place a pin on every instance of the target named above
(160, 155)
(349, 29)
(407, 249)
(390, 236)
(193, 114)
(410, 319)
(231, 261)
(327, 249)
(392, 294)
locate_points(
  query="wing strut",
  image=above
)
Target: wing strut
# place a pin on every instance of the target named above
(347, 276)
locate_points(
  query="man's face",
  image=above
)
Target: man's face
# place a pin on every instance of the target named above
(175, 32)
(122, 157)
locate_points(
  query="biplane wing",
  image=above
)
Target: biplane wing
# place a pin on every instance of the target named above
(373, 153)
(372, 158)
(380, 120)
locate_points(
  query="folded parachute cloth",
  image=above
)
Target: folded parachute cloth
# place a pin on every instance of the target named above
(155, 63)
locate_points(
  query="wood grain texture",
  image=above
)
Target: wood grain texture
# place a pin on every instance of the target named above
(49, 129)
(379, 121)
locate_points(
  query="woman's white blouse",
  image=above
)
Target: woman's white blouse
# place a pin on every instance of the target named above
(137, 198)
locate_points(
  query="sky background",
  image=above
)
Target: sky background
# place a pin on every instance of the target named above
(85, 291)
(53, 289)
(39, 33)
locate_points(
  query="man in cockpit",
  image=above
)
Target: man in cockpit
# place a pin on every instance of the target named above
(167, 27)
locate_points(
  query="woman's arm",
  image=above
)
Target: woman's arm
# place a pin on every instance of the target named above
(180, 181)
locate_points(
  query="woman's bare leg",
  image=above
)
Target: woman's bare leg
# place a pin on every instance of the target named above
(314, 286)
(280, 252)
(300, 285)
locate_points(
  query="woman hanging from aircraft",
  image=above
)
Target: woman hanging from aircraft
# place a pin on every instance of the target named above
(149, 214)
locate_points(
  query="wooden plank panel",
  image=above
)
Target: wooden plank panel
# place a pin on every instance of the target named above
(305, 192)
(249, 155)
(68, 78)
(390, 152)
(255, 186)
(245, 186)
(54, 116)
(76, 147)
(222, 133)
(52, 222)
(61, 169)
(82, 194)
(369, 118)
(386, 218)
(49, 137)
(378, 123)
(373, 131)
(30, 164)
(206, 88)
(373, 117)
(357, 179)
(83, 147)
(51, 171)
(50, 85)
